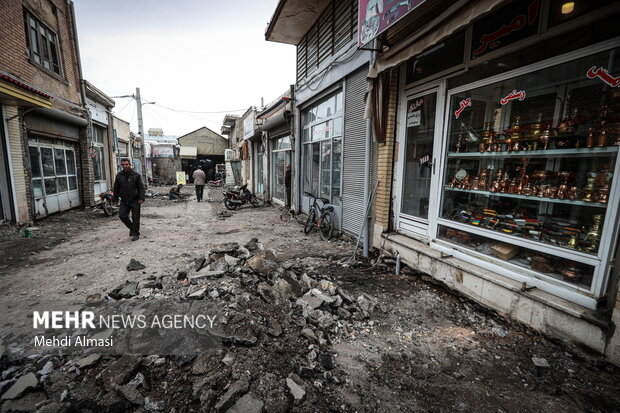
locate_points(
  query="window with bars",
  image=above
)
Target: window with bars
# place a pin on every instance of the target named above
(334, 29)
(42, 45)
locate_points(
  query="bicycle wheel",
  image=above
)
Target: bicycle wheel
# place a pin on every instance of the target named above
(327, 225)
(310, 221)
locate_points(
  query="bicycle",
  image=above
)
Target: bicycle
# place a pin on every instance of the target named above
(325, 222)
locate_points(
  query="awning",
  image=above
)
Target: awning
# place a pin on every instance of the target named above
(14, 91)
(189, 152)
(450, 21)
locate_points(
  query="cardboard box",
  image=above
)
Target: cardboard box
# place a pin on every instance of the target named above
(504, 251)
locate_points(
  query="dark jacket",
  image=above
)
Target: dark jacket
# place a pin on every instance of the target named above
(128, 186)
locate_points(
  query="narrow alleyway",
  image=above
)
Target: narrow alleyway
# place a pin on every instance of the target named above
(358, 339)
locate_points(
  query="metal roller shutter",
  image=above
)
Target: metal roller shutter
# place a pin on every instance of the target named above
(354, 149)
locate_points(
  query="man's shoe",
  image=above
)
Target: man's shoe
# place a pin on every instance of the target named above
(135, 237)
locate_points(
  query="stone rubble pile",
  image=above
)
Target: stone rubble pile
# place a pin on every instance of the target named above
(279, 320)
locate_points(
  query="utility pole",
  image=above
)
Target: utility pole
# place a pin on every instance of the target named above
(139, 104)
(141, 132)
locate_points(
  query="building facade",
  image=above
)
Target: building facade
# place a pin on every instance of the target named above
(332, 139)
(273, 152)
(44, 121)
(102, 152)
(204, 148)
(497, 142)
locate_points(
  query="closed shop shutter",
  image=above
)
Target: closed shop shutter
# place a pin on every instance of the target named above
(353, 167)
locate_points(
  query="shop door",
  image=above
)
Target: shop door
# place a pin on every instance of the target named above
(417, 162)
(54, 178)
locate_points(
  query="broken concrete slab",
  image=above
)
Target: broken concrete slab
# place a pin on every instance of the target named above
(23, 385)
(232, 261)
(366, 302)
(283, 290)
(119, 371)
(296, 390)
(199, 263)
(153, 405)
(27, 403)
(129, 290)
(131, 394)
(263, 262)
(309, 334)
(227, 248)
(233, 393)
(198, 294)
(229, 359)
(204, 276)
(310, 301)
(324, 297)
(247, 404)
(135, 265)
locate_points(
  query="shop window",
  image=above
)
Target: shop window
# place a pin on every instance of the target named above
(562, 10)
(447, 54)
(508, 25)
(42, 45)
(98, 153)
(530, 162)
(53, 170)
(322, 131)
(281, 157)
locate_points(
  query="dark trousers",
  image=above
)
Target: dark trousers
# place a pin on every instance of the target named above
(288, 196)
(123, 213)
(199, 190)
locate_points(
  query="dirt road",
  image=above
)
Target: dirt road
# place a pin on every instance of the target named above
(376, 343)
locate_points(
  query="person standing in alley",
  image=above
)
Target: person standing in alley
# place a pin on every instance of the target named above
(287, 185)
(128, 186)
(199, 182)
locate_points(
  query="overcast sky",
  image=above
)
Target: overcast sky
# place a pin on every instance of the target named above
(187, 55)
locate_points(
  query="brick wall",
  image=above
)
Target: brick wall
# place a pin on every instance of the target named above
(87, 181)
(385, 157)
(55, 14)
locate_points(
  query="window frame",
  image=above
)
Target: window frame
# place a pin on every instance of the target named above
(43, 48)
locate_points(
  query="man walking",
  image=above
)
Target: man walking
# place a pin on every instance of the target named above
(129, 188)
(199, 182)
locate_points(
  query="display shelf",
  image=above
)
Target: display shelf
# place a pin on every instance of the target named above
(563, 252)
(576, 152)
(532, 198)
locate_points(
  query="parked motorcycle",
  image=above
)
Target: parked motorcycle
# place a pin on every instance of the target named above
(215, 184)
(106, 204)
(234, 198)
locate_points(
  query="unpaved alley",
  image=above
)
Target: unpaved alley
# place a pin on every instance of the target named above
(303, 329)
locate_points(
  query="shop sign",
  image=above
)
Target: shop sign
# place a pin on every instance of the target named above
(414, 113)
(506, 26)
(162, 152)
(520, 95)
(462, 105)
(375, 16)
(604, 75)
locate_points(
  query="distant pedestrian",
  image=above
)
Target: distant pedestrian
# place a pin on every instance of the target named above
(287, 185)
(128, 186)
(199, 182)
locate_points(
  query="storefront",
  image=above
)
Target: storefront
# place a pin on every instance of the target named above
(54, 151)
(280, 159)
(505, 157)
(321, 132)
(54, 175)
